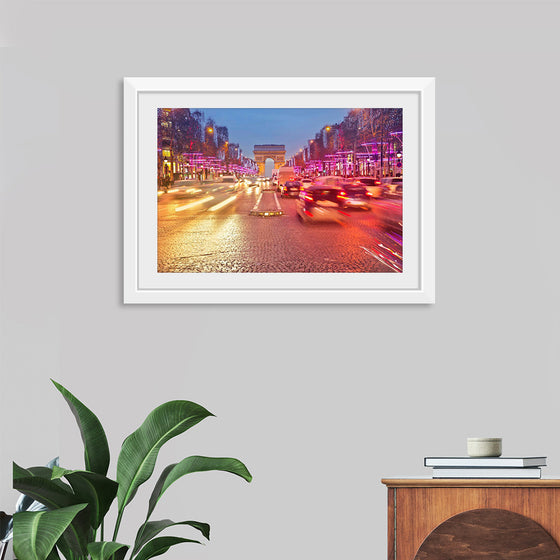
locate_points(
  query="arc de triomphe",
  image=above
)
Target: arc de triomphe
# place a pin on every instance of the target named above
(277, 152)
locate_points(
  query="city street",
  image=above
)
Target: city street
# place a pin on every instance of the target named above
(209, 228)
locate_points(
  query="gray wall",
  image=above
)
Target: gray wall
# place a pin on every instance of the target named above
(319, 424)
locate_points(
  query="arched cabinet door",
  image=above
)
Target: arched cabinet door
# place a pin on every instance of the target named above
(488, 534)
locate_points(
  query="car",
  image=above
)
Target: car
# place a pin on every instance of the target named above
(290, 188)
(230, 183)
(306, 182)
(319, 203)
(393, 185)
(329, 181)
(285, 174)
(388, 214)
(354, 195)
(374, 186)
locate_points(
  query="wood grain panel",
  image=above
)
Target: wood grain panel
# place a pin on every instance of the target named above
(420, 510)
(489, 534)
(391, 524)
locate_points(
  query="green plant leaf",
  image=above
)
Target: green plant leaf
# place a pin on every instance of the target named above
(95, 489)
(5, 524)
(105, 550)
(41, 472)
(55, 494)
(96, 448)
(140, 449)
(159, 546)
(25, 503)
(196, 463)
(148, 531)
(36, 533)
(19, 471)
(53, 555)
(51, 493)
(65, 550)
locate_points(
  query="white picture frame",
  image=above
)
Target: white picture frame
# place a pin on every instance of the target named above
(142, 282)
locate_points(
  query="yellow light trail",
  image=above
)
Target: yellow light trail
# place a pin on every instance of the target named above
(222, 204)
(190, 205)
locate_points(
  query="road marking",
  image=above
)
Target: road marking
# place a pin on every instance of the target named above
(277, 203)
(190, 205)
(255, 208)
(222, 204)
(256, 211)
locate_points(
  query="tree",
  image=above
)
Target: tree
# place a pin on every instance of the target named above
(222, 136)
(210, 138)
(196, 127)
(381, 123)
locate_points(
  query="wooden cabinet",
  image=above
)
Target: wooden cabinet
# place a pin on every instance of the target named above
(507, 518)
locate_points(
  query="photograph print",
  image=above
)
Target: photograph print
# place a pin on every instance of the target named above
(280, 190)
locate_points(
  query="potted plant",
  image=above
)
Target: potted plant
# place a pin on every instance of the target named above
(77, 501)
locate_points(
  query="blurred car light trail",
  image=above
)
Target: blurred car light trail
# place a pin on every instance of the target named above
(222, 204)
(191, 204)
(390, 264)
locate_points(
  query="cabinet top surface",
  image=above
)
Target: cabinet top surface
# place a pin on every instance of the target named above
(470, 482)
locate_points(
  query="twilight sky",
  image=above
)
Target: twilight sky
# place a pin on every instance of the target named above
(292, 127)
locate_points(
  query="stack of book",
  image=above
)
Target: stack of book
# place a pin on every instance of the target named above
(485, 467)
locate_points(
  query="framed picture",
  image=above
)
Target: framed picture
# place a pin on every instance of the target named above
(279, 190)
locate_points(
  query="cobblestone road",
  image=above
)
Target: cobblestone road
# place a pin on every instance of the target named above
(210, 229)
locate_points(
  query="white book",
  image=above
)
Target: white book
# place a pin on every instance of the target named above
(487, 473)
(467, 462)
